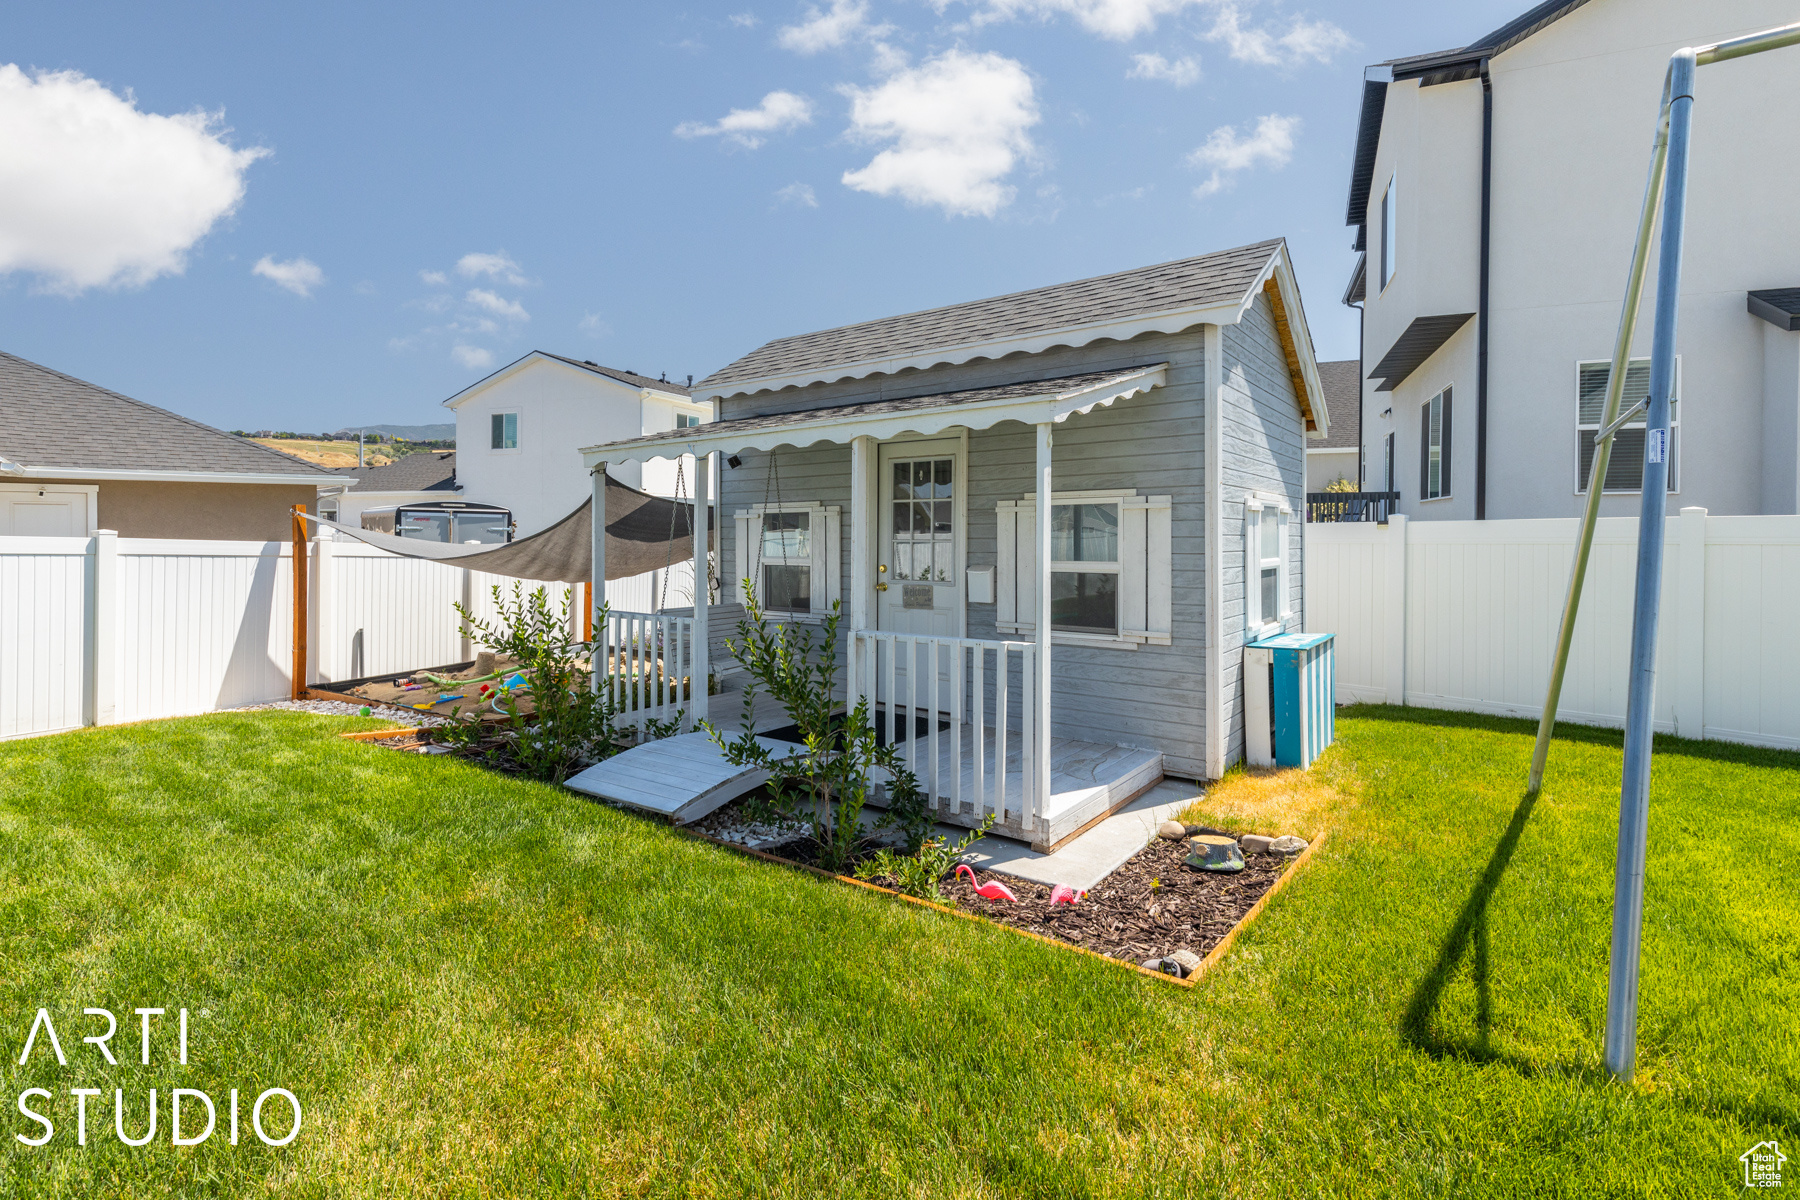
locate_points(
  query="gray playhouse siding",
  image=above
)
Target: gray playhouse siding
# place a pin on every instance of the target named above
(1152, 696)
(1264, 449)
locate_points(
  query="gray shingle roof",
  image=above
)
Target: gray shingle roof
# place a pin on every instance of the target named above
(52, 420)
(879, 408)
(1215, 278)
(1342, 384)
(661, 385)
(426, 471)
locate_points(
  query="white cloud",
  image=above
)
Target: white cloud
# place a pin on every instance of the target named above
(1271, 142)
(1182, 72)
(433, 278)
(472, 357)
(298, 275)
(958, 123)
(1304, 41)
(486, 301)
(594, 325)
(800, 194)
(746, 126)
(827, 29)
(743, 20)
(1121, 20)
(94, 193)
(494, 266)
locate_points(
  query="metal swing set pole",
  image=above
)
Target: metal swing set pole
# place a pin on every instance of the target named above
(1667, 189)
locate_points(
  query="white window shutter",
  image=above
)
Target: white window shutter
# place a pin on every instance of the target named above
(1024, 575)
(1146, 558)
(744, 564)
(827, 562)
(1006, 567)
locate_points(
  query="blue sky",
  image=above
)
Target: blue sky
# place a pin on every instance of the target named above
(323, 215)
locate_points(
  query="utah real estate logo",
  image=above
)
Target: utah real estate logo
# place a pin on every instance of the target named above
(1762, 1165)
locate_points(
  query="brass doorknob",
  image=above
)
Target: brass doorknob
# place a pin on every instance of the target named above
(881, 587)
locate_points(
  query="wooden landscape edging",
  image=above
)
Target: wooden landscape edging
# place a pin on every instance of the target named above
(1206, 963)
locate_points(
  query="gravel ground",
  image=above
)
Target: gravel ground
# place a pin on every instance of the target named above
(337, 708)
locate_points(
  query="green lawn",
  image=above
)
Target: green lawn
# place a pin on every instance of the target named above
(483, 987)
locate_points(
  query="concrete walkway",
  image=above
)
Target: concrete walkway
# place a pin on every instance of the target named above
(1084, 861)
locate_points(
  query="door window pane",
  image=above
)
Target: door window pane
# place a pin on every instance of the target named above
(941, 477)
(787, 588)
(921, 472)
(902, 481)
(941, 516)
(1084, 533)
(1084, 602)
(941, 555)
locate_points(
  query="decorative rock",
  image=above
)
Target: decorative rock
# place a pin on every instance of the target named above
(1254, 843)
(1287, 844)
(1163, 966)
(1173, 830)
(1187, 960)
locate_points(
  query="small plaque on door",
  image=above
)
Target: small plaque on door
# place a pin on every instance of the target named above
(918, 595)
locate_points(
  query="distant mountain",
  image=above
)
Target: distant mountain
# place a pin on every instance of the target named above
(412, 433)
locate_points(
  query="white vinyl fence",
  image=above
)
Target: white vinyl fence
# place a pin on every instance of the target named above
(1463, 615)
(104, 629)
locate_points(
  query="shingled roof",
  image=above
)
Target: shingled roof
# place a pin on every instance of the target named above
(426, 471)
(635, 380)
(53, 421)
(1222, 277)
(1341, 382)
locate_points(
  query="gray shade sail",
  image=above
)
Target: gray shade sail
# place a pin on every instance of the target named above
(643, 533)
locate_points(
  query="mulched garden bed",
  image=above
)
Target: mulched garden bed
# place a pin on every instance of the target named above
(1149, 908)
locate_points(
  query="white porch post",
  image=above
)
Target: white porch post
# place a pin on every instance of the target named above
(700, 673)
(1041, 702)
(598, 650)
(862, 558)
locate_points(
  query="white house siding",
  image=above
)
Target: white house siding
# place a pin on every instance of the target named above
(1151, 696)
(1574, 110)
(1263, 450)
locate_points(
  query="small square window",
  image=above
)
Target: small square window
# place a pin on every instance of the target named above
(686, 420)
(505, 428)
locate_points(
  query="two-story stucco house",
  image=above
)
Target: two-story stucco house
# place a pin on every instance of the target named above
(1495, 196)
(1051, 518)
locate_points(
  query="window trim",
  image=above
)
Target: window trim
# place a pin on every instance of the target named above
(1157, 589)
(1389, 265)
(1446, 447)
(825, 530)
(501, 415)
(1674, 429)
(1257, 624)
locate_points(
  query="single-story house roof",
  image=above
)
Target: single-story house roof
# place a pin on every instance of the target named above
(1053, 399)
(628, 378)
(1167, 297)
(1342, 384)
(53, 426)
(426, 471)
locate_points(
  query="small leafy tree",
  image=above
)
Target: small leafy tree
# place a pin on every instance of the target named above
(827, 783)
(570, 725)
(919, 873)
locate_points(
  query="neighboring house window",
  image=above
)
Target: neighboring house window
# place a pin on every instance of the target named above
(1389, 221)
(1111, 568)
(686, 420)
(1387, 465)
(1265, 564)
(1625, 469)
(506, 431)
(1434, 447)
(789, 553)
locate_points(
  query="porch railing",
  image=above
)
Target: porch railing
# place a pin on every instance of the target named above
(648, 661)
(959, 709)
(1351, 506)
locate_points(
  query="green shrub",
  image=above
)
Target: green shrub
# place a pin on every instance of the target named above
(919, 873)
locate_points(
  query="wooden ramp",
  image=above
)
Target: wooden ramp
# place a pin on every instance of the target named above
(682, 778)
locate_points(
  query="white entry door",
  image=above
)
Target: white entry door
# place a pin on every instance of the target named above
(919, 581)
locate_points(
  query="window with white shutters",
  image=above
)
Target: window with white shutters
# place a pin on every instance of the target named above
(1110, 570)
(1625, 469)
(789, 553)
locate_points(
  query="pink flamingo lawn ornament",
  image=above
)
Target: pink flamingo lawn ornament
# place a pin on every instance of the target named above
(992, 890)
(1062, 893)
